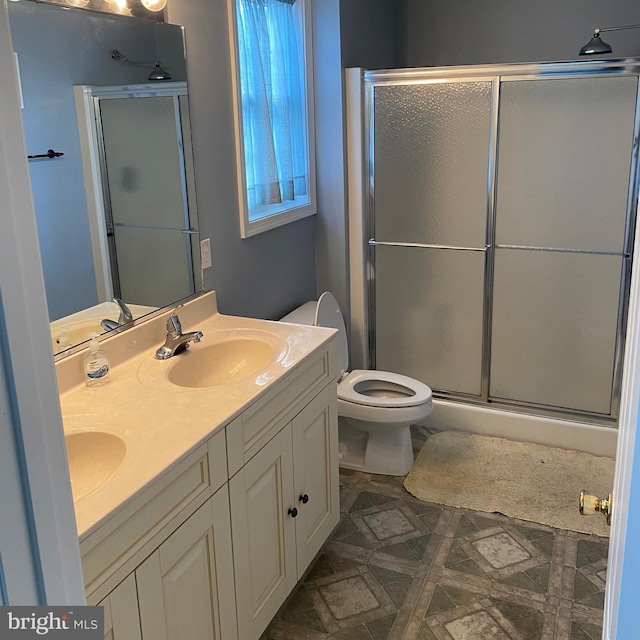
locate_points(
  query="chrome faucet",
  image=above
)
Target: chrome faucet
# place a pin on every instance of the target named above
(125, 313)
(125, 316)
(176, 341)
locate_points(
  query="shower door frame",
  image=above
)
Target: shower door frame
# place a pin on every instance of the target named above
(88, 99)
(497, 74)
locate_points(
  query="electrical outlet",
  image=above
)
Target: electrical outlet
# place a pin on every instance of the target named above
(205, 253)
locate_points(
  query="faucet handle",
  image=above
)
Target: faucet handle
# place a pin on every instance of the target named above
(174, 326)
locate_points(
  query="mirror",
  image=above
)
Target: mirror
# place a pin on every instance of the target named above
(115, 210)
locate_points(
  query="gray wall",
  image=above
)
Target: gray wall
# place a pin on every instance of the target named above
(369, 33)
(266, 275)
(331, 245)
(347, 33)
(441, 32)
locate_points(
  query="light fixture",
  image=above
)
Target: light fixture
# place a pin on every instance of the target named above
(120, 5)
(597, 46)
(154, 5)
(157, 75)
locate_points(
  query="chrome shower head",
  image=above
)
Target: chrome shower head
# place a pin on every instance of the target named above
(595, 46)
(159, 74)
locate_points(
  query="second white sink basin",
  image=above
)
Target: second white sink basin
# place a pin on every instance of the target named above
(94, 456)
(238, 357)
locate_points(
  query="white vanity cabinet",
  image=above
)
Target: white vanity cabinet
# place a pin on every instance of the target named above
(185, 588)
(212, 548)
(284, 505)
(162, 527)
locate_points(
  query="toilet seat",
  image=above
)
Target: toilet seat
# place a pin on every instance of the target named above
(383, 389)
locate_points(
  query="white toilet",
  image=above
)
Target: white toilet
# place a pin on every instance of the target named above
(375, 408)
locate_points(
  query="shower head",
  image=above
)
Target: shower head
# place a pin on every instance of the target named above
(158, 74)
(597, 46)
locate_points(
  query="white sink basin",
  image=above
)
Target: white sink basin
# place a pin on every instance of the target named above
(229, 359)
(94, 456)
(75, 333)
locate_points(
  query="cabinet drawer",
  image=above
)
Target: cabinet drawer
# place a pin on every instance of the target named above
(265, 417)
(116, 548)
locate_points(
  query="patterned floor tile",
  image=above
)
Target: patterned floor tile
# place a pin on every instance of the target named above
(349, 597)
(396, 568)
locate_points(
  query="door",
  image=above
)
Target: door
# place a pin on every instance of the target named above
(39, 554)
(431, 165)
(185, 588)
(147, 196)
(623, 569)
(316, 478)
(264, 534)
(121, 619)
(562, 251)
(503, 235)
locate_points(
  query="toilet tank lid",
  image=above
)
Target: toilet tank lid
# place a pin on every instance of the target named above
(328, 315)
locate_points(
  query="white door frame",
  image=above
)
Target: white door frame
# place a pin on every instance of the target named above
(29, 370)
(627, 422)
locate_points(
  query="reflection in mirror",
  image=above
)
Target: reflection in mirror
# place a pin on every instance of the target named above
(116, 212)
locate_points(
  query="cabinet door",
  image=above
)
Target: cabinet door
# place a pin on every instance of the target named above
(185, 588)
(264, 552)
(121, 620)
(316, 481)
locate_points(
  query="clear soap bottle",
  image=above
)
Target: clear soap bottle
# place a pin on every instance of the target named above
(96, 364)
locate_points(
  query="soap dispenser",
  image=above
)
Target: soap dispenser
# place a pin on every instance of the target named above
(96, 364)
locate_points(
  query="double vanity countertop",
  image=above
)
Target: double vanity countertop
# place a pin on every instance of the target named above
(152, 406)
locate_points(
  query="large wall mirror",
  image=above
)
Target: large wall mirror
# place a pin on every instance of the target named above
(116, 211)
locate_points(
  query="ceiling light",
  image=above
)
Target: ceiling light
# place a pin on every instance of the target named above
(154, 5)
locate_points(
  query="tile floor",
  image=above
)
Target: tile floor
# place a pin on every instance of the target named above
(396, 568)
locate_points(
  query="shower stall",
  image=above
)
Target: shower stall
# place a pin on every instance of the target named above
(499, 215)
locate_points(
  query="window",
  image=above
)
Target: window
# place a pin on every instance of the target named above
(274, 120)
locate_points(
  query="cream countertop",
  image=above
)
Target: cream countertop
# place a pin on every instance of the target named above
(161, 423)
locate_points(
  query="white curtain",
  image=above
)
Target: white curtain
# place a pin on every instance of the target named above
(271, 58)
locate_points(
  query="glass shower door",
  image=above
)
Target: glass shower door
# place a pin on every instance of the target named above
(564, 162)
(431, 167)
(148, 195)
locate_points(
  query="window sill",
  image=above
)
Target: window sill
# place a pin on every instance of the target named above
(271, 220)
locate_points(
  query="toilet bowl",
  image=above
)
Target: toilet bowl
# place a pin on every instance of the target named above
(375, 408)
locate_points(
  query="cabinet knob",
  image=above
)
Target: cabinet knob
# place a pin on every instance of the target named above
(304, 498)
(293, 512)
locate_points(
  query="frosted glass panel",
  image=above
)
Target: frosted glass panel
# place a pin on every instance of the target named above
(152, 264)
(563, 162)
(144, 170)
(554, 328)
(429, 306)
(431, 155)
